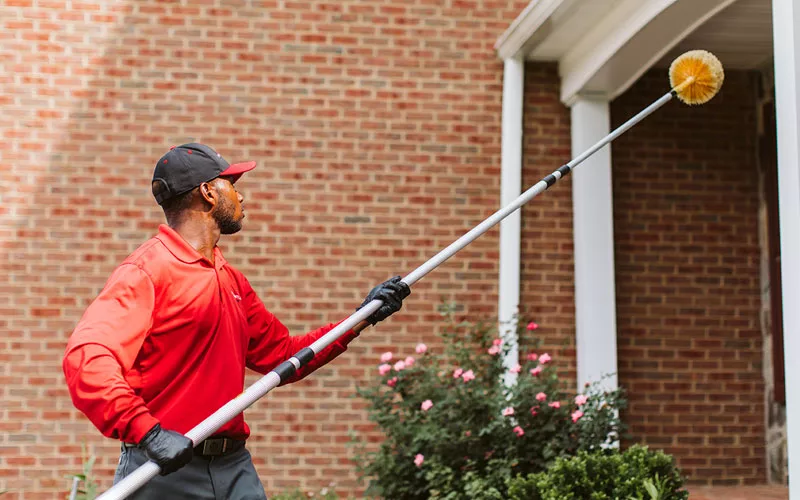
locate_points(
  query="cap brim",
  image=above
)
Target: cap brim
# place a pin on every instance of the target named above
(237, 169)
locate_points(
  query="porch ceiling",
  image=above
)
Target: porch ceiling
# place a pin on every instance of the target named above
(603, 46)
(740, 35)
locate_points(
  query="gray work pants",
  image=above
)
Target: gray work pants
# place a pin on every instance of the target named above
(228, 477)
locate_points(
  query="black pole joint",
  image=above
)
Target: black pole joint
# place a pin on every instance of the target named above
(285, 370)
(304, 355)
(551, 179)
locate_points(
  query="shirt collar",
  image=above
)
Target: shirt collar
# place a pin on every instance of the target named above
(183, 251)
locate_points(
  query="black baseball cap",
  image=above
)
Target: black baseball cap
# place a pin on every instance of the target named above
(185, 167)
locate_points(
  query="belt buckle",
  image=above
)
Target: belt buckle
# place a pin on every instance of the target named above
(214, 446)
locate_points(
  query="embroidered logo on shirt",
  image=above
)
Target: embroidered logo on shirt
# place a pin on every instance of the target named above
(236, 296)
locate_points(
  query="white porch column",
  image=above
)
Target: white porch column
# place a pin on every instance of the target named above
(786, 34)
(510, 189)
(593, 228)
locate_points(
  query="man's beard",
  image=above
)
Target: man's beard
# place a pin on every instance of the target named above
(223, 215)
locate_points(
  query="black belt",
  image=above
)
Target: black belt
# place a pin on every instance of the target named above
(217, 447)
(211, 447)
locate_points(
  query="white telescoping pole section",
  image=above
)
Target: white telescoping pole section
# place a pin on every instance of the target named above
(593, 238)
(510, 227)
(786, 34)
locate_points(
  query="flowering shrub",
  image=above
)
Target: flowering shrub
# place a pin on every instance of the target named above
(453, 429)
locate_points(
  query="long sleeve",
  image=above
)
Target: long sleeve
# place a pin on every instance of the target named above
(102, 350)
(270, 342)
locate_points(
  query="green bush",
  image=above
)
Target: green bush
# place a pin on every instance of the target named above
(297, 494)
(635, 474)
(453, 429)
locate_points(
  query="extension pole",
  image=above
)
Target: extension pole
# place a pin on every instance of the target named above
(260, 388)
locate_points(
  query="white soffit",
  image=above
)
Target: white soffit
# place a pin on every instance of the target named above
(533, 25)
(638, 37)
(603, 46)
(577, 19)
(740, 35)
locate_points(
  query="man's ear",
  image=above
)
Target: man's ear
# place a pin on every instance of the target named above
(208, 193)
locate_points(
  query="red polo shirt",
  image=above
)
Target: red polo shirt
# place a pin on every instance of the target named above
(168, 339)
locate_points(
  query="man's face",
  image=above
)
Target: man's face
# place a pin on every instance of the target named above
(228, 213)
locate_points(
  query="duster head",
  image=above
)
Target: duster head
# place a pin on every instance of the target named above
(696, 76)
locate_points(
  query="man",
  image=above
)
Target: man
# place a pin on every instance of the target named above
(166, 342)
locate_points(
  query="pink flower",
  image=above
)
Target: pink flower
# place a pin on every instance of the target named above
(386, 357)
(541, 396)
(544, 358)
(555, 404)
(534, 410)
(576, 415)
(392, 382)
(400, 365)
(410, 362)
(518, 431)
(581, 400)
(508, 411)
(497, 342)
(532, 326)
(457, 373)
(426, 405)
(421, 348)
(494, 350)
(468, 375)
(536, 371)
(468, 433)
(532, 356)
(419, 459)
(384, 368)
(516, 369)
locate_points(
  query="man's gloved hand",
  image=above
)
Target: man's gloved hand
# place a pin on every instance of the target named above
(169, 449)
(391, 292)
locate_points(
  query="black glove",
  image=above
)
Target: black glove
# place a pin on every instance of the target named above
(169, 449)
(391, 292)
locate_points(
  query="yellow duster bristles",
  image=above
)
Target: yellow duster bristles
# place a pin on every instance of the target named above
(696, 76)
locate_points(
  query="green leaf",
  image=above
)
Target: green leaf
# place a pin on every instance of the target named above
(651, 489)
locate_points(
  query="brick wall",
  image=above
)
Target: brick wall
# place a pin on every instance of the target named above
(686, 229)
(547, 291)
(377, 128)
